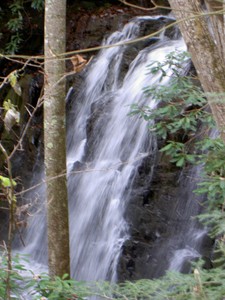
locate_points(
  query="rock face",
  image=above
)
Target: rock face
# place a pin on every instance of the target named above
(148, 215)
(164, 231)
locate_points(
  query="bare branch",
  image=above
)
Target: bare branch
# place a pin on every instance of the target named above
(87, 170)
(156, 6)
(68, 55)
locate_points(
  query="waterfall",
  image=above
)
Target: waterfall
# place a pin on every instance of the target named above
(105, 148)
(189, 248)
(99, 195)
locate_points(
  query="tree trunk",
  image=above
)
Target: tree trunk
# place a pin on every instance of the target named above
(54, 138)
(217, 25)
(202, 39)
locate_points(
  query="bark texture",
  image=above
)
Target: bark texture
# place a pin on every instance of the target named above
(204, 37)
(54, 138)
(217, 25)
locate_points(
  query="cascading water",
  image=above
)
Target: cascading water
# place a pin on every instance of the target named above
(189, 248)
(105, 149)
(99, 196)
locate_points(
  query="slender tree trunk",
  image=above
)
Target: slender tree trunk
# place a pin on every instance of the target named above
(54, 138)
(204, 42)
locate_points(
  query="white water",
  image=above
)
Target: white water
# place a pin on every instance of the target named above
(101, 169)
(99, 197)
(188, 238)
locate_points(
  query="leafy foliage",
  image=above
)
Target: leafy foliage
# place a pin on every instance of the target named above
(16, 279)
(13, 80)
(15, 23)
(60, 288)
(201, 284)
(5, 182)
(37, 4)
(185, 122)
(174, 61)
(172, 286)
(24, 283)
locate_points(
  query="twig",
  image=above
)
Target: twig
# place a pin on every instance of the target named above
(156, 6)
(67, 55)
(31, 115)
(88, 170)
(10, 197)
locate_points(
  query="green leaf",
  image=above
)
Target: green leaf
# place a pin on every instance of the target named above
(167, 147)
(191, 158)
(14, 83)
(180, 162)
(7, 105)
(6, 182)
(65, 276)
